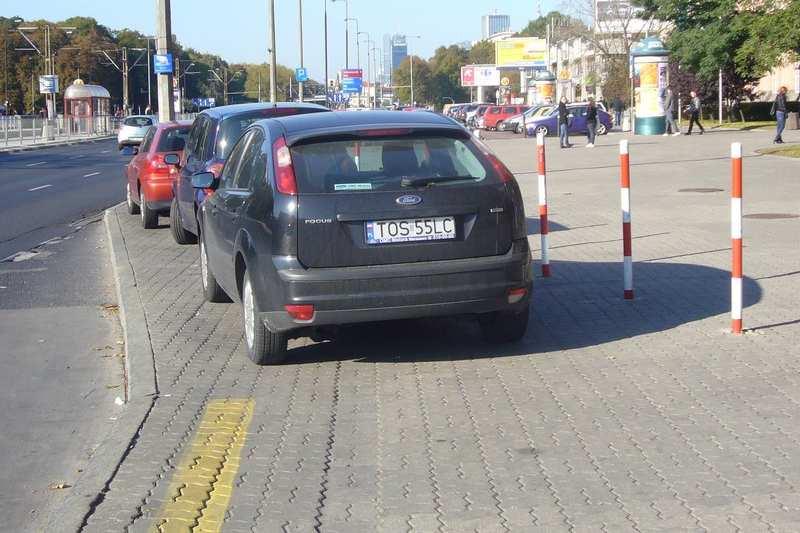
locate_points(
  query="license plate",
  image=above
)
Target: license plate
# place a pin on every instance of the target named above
(410, 230)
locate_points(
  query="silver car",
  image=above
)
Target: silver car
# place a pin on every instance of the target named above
(133, 129)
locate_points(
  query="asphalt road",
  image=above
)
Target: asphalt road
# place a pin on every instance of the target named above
(43, 191)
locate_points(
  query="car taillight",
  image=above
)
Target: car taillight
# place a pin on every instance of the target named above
(157, 163)
(301, 313)
(516, 295)
(285, 179)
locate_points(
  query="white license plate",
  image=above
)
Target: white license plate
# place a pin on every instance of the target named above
(410, 230)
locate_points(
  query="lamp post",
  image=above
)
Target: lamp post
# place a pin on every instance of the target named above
(346, 32)
(358, 48)
(300, 12)
(374, 76)
(411, 61)
(358, 43)
(273, 61)
(368, 41)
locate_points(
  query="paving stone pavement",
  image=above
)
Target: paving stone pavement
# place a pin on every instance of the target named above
(609, 416)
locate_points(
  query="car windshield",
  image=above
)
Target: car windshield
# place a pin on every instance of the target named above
(232, 127)
(173, 139)
(382, 164)
(138, 122)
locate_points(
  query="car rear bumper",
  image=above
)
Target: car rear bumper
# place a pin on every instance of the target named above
(402, 291)
(158, 192)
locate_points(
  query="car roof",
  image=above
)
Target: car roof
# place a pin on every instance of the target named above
(235, 109)
(173, 124)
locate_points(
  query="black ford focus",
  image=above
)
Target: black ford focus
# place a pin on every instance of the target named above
(334, 218)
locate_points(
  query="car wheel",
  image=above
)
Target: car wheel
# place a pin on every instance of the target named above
(179, 233)
(133, 209)
(120, 147)
(211, 289)
(263, 346)
(541, 129)
(601, 129)
(149, 216)
(501, 126)
(518, 129)
(504, 326)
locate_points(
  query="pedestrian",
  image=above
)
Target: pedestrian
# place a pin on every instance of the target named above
(669, 110)
(694, 113)
(591, 122)
(563, 123)
(779, 111)
(618, 106)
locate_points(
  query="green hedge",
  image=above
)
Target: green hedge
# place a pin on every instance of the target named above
(752, 110)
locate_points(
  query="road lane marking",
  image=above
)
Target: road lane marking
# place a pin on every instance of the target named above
(105, 151)
(36, 164)
(39, 188)
(201, 487)
(78, 156)
(89, 175)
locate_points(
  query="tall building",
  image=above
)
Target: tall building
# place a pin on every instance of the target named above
(494, 23)
(395, 50)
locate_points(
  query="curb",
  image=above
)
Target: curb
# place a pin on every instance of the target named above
(10, 150)
(141, 391)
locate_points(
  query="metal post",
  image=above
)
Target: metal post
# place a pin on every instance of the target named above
(125, 96)
(149, 76)
(736, 238)
(346, 34)
(411, 59)
(719, 118)
(166, 109)
(325, 18)
(300, 83)
(625, 196)
(273, 64)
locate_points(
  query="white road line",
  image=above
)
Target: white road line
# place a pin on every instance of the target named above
(35, 164)
(39, 188)
(105, 151)
(90, 174)
(78, 156)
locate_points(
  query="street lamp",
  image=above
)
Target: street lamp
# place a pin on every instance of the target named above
(346, 32)
(358, 48)
(411, 61)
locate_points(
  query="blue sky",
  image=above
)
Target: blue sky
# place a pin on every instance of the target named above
(237, 29)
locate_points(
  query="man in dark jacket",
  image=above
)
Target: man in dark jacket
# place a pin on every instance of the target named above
(779, 111)
(591, 122)
(694, 113)
(669, 109)
(563, 123)
(618, 106)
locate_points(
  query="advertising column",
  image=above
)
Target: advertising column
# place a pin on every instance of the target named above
(650, 66)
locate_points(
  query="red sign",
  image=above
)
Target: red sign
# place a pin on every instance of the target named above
(352, 73)
(467, 76)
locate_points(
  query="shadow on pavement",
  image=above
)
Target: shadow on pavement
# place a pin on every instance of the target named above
(580, 306)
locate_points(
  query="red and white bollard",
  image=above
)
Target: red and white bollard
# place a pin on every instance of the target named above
(544, 227)
(625, 195)
(736, 238)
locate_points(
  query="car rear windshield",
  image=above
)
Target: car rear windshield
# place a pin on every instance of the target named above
(173, 139)
(138, 122)
(232, 127)
(386, 164)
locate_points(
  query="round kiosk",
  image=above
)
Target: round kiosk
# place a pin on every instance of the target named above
(544, 87)
(87, 108)
(650, 67)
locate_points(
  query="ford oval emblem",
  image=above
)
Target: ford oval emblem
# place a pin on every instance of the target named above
(409, 199)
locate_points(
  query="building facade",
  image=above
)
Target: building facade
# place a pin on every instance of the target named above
(494, 23)
(395, 50)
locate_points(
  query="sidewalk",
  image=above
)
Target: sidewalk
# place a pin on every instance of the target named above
(610, 415)
(25, 144)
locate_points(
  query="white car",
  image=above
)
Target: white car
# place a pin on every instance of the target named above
(133, 129)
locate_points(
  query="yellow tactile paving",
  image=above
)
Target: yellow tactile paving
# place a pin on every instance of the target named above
(201, 487)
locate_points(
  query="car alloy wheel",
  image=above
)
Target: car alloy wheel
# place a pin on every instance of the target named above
(601, 129)
(203, 264)
(248, 304)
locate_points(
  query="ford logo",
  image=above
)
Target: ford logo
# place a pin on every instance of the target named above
(409, 199)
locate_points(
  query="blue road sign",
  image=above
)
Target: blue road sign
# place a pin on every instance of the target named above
(301, 74)
(351, 85)
(162, 64)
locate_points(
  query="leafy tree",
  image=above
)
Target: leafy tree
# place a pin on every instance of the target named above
(565, 26)
(423, 90)
(446, 70)
(482, 53)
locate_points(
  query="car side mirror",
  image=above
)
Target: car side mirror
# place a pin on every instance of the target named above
(172, 159)
(204, 180)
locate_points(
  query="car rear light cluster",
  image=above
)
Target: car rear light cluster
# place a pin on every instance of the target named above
(517, 295)
(301, 313)
(285, 179)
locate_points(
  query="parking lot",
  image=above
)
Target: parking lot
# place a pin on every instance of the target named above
(612, 415)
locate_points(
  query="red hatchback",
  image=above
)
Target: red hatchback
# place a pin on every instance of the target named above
(498, 113)
(149, 185)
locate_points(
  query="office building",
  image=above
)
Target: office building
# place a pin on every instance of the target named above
(395, 50)
(494, 23)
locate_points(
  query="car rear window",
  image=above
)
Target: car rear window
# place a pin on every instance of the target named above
(173, 139)
(362, 165)
(138, 122)
(232, 127)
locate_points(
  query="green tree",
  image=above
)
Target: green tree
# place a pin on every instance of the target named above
(482, 53)
(564, 26)
(423, 91)
(446, 66)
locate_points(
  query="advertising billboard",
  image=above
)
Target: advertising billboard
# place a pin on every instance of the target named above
(521, 52)
(480, 76)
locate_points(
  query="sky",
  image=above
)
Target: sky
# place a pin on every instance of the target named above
(237, 29)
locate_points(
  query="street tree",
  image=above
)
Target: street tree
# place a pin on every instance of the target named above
(423, 92)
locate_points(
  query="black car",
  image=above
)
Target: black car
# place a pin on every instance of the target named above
(336, 218)
(211, 138)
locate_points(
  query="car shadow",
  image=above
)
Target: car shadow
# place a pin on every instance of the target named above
(580, 306)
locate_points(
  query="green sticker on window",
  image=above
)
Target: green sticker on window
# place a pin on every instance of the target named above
(352, 187)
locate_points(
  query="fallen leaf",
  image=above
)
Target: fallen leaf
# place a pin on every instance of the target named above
(113, 386)
(58, 486)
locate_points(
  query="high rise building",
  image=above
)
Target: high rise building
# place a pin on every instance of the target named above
(494, 23)
(395, 50)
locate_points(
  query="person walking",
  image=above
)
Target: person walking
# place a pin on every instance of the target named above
(591, 122)
(563, 123)
(779, 111)
(618, 106)
(669, 110)
(694, 113)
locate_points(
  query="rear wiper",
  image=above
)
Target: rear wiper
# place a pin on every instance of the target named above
(430, 180)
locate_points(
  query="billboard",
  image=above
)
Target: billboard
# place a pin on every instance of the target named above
(480, 76)
(521, 52)
(351, 81)
(48, 84)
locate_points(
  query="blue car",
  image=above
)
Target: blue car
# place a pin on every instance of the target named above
(548, 125)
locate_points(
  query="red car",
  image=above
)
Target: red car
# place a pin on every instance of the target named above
(498, 113)
(149, 185)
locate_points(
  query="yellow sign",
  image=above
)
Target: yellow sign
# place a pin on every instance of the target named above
(521, 52)
(505, 82)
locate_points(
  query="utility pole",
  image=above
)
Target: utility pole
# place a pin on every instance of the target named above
(125, 96)
(166, 110)
(259, 86)
(177, 83)
(149, 76)
(225, 86)
(325, 18)
(300, 83)
(273, 63)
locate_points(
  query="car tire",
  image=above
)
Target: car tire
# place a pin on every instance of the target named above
(263, 346)
(503, 327)
(542, 129)
(179, 233)
(149, 216)
(212, 292)
(133, 207)
(518, 129)
(601, 129)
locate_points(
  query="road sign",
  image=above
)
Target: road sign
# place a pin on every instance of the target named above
(351, 81)
(301, 74)
(204, 102)
(48, 84)
(162, 64)
(505, 82)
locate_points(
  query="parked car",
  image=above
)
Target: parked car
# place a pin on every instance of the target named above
(496, 114)
(149, 179)
(473, 117)
(548, 124)
(133, 129)
(335, 218)
(211, 138)
(515, 123)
